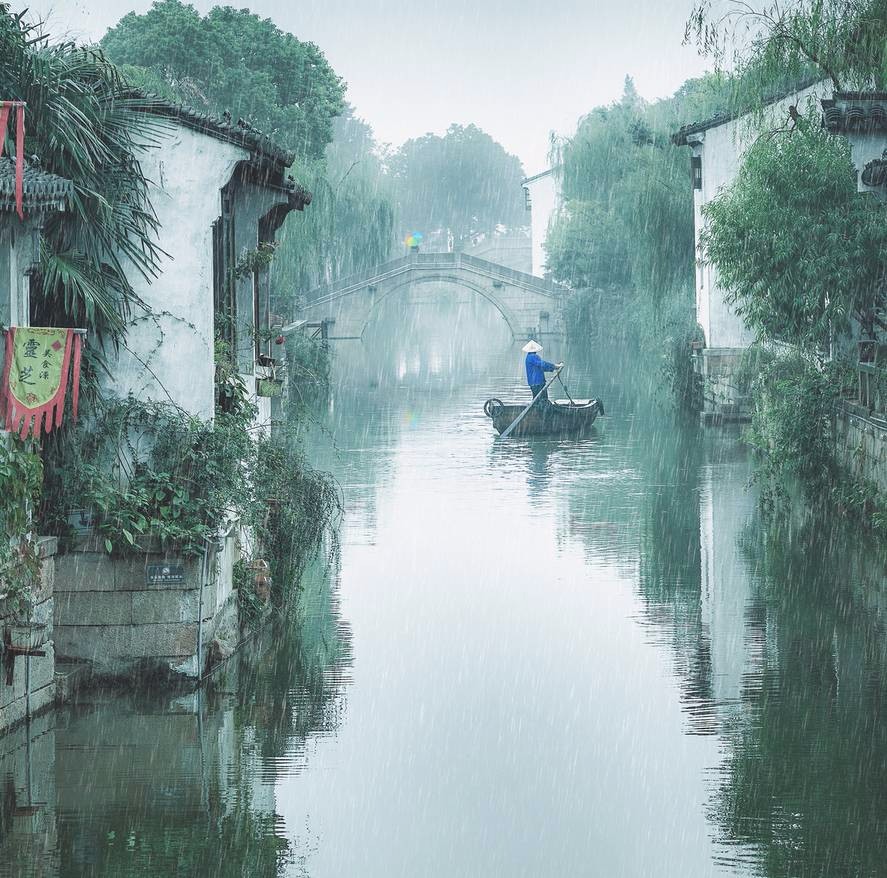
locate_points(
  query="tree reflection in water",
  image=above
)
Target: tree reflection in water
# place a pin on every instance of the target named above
(807, 767)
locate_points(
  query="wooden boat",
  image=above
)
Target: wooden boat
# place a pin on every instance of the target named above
(559, 416)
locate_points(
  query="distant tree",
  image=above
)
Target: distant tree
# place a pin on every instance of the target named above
(631, 100)
(233, 60)
(624, 237)
(464, 181)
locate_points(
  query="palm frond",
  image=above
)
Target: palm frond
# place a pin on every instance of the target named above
(85, 126)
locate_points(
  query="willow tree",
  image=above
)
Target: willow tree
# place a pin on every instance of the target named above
(350, 226)
(629, 210)
(80, 128)
(624, 237)
(844, 40)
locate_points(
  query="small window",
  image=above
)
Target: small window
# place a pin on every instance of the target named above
(696, 171)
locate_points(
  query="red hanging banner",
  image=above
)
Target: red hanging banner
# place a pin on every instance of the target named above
(19, 107)
(38, 361)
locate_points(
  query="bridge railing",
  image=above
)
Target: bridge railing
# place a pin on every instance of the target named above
(520, 278)
(428, 262)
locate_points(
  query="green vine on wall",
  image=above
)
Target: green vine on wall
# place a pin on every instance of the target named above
(149, 473)
(256, 260)
(21, 479)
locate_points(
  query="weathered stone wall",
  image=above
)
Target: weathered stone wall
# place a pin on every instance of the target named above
(32, 686)
(861, 445)
(123, 619)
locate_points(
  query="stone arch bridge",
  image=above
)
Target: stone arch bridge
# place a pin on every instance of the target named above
(529, 305)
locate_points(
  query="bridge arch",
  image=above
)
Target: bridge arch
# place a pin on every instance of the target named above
(455, 280)
(526, 303)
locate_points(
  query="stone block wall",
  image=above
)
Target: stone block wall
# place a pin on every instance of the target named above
(861, 444)
(127, 617)
(27, 684)
(723, 399)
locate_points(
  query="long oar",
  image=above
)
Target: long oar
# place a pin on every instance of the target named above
(520, 417)
(573, 401)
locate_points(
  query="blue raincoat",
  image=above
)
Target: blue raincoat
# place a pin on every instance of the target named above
(536, 369)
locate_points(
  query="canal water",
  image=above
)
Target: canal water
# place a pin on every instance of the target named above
(532, 658)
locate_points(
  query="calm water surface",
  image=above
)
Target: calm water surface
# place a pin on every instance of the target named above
(534, 658)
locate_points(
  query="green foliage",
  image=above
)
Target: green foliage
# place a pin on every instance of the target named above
(21, 479)
(793, 433)
(792, 424)
(628, 206)
(464, 181)
(624, 239)
(296, 507)
(308, 363)
(800, 252)
(82, 129)
(845, 40)
(587, 246)
(252, 609)
(252, 261)
(231, 59)
(350, 225)
(148, 470)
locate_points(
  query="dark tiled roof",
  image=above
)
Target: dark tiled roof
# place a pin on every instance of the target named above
(237, 132)
(865, 112)
(40, 190)
(679, 138)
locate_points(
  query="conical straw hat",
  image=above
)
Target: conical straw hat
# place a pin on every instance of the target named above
(532, 347)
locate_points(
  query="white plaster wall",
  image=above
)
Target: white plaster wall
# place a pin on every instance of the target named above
(725, 507)
(187, 173)
(544, 200)
(18, 246)
(721, 152)
(864, 148)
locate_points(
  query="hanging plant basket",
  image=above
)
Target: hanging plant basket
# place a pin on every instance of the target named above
(269, 387)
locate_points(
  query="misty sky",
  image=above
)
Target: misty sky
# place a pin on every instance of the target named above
(517, 68)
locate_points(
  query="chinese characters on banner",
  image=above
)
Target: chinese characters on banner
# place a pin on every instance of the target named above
(19, 108)
(35, 378)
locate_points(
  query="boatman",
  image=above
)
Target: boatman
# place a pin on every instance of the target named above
(536, 369)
